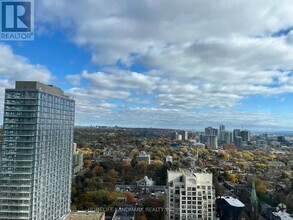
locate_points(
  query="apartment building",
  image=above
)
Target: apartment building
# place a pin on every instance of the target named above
(189, 195)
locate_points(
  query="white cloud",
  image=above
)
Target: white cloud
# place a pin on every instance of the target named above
(198, 54)
(118, 79)
(14, 67)
(182, 119)
(96, 93)
(73, 79)
(113, 29)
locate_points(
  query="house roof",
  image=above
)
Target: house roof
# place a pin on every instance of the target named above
(233, 201)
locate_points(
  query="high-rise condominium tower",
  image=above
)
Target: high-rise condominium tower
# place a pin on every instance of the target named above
(36, 155)
(189, 195)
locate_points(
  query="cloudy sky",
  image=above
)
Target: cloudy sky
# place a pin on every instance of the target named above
(166, 63)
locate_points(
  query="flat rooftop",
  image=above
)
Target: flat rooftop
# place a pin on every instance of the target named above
(85, 215)
(283, 215)
(34, 85)
(123, 215)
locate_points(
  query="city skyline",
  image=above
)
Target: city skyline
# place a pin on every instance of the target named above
(162, 64)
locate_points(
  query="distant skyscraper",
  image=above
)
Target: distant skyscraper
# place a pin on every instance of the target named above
(185, 135)
(245, 134)
(281, 138)
(222, 133)
(189, 195)
(36, 156)
(212, 141)
(227, 137)
(238, 141)
(202, 138)
(222, 127)
(236, 132)
(173, 135)
(211, 131)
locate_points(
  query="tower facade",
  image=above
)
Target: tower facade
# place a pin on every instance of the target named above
(212, 141)
(236, 132)
(211, 131)
(36, 155)
(189, 195)
(245, 134)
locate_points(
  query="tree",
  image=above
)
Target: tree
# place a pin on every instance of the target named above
(125, 164)
(88, 174)
(111, 177)
(134, 162)
(142, 216)
(160, 154)
(130, 197)
(134, 153)
(220, 190)
(162, 174)
(92, 184)
(107, 165)
(149, 204)
(87, 163)
(225, 155)
(232, 177)
(260, 165)
(248, 156)
(152, 170)
(260, 186)
(97, 170)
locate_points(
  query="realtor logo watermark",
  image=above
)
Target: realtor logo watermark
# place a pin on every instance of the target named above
(17, 21)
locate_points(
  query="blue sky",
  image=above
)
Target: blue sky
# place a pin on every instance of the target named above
(168, 64)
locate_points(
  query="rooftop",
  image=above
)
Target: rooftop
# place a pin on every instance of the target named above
(190, 176)
(85, 215)
(143, 154)
(233, 201)
(34, 85)
(124, 214)
(145, 181)
(282, 215)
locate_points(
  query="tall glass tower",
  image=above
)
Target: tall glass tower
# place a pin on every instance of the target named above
(36, 154)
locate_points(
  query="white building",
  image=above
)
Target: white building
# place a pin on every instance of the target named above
(143, 157)
(281, 215)
(179, 137)
(77, 160)
(169, 159)
(74, 147)
(189, 195)
(194, 144)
